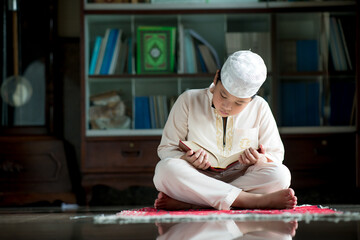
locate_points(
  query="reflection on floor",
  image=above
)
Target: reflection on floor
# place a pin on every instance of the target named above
(67, 223)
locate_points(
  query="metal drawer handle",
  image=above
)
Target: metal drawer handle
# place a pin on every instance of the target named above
(131, 153)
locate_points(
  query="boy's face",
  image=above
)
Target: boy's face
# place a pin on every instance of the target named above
(225, 103)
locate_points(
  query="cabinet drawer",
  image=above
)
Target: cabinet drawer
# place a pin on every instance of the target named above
(321, 160)
(121, 156)
(33, 165)
(308, 152)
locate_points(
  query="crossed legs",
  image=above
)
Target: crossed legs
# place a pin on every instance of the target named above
(181, 186)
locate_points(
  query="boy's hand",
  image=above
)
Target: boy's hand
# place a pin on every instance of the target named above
(198, 159)
(251, 156)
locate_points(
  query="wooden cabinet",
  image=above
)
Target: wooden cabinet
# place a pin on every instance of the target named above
(119, 162)
(321, 160)
(33, 164)
(121, 156)
(34, 169)
(311, 97)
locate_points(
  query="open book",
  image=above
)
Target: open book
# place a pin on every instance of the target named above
(217, 161)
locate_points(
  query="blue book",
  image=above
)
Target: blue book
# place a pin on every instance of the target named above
(130, 56)
(142, 113)
(201, 59)
(313, 104)
(102, 51)
(307, 55)
(109, 51)
(300, 104)
(288, 110)
(95, 54)
(152, 111)
(342, 94)
(190, 55)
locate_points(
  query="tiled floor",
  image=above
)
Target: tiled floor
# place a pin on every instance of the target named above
(54, 223)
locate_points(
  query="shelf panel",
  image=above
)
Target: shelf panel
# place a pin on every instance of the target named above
(124, 132)
(174, 75)
(239, 6)
(173, 6)
(309, 4)
(282, 130)
(316, 130)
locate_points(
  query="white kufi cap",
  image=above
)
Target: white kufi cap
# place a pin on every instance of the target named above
(243, 73)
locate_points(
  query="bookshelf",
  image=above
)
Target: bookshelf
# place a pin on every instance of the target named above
(293, 38)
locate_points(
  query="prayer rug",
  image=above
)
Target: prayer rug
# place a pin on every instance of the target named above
(302, 213)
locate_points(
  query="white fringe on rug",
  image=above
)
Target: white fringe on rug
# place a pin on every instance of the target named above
(307, 217)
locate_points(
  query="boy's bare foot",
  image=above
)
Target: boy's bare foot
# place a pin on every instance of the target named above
(276, 200)
(283, 227)
(165, 202)
(283, 199)
(164, 227)
(271, 226)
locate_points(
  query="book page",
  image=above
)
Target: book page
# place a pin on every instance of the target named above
(226, 161)
(216, 161)
(190, 145)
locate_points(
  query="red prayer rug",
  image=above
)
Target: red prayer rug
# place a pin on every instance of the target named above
(303, 212)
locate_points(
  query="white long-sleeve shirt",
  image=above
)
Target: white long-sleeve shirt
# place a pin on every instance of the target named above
(193, 118)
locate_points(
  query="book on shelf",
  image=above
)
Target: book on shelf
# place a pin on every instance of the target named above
(142, 113)
(155, 49)
(217, 162)
(200, 59)
(130, 57)
(203, 41)
(95, 54)
(181, 49)
(307, 55)
(118, 52)
(109, 51)
(159, 110)
(324, 42)
(191, 56)
(209, 61)
(257, 42)
(299, 55)
(113, 54)
(190, 65)
(346, 51)
(121, 59)
(342, 96)
(338, 46)
(102, 51)
(288, 56)
(348, 37)
(151, 112)
(300, 103)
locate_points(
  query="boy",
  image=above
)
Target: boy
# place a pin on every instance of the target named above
(227, 117)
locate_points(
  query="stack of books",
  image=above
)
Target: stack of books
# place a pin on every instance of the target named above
(301, 104)
(111, 54)
(299, 55)
(196, 54)
(339, 49)
(257, 42)
(151, 112)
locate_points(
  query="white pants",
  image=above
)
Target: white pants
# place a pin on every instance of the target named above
(180, 180)
(224, 230)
